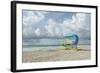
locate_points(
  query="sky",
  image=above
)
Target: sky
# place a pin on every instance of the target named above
(38, 24)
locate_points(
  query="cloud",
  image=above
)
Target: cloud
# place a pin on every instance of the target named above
(77, 24)
(37, 31)
(32, 17)
(53, 28)
(30, 21)
(28, 33)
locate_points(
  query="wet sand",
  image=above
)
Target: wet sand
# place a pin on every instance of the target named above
(55, 55)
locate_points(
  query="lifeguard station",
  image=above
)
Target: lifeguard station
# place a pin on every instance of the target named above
(71, 41)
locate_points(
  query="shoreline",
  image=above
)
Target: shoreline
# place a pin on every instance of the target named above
(53, 48)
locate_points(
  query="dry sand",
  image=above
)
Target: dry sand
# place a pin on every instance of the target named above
(55, 55)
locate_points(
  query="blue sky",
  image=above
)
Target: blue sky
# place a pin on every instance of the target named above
(55, 24)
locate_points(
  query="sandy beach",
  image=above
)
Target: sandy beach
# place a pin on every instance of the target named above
(55, 55)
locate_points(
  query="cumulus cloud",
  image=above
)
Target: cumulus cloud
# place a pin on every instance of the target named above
(32, 17)
(77, 24)
(36, 23)
(30, 21)
(37, 31)
(51, 27)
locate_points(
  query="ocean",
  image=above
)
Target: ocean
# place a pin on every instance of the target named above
(50, 44)
(44, 48)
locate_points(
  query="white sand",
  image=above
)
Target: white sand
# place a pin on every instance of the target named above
(55, 55)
